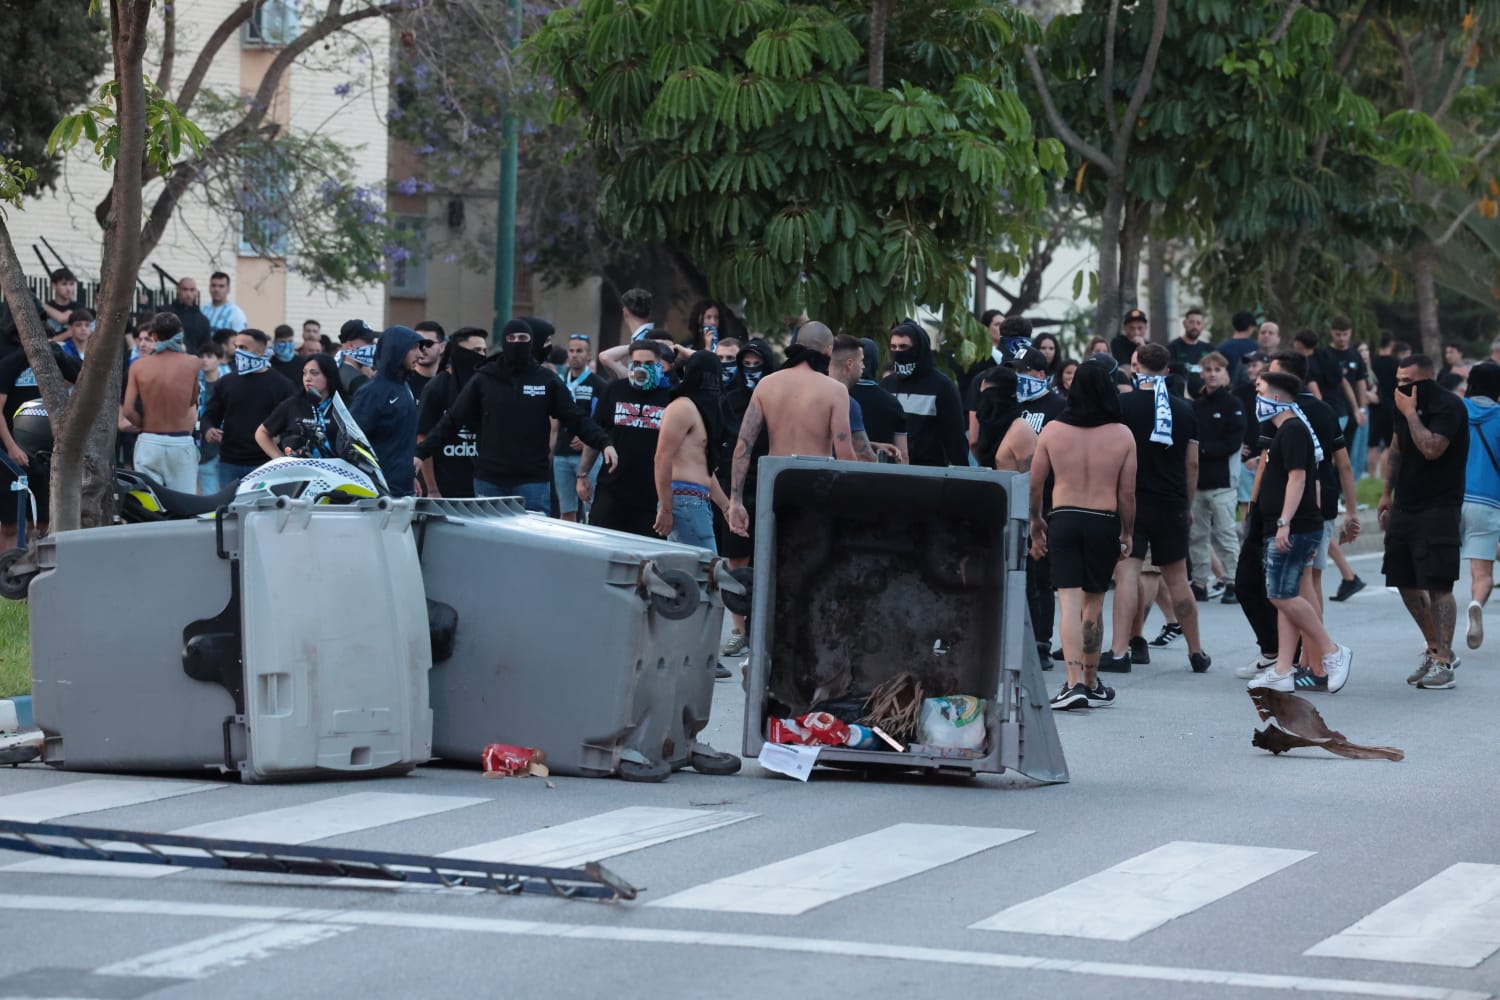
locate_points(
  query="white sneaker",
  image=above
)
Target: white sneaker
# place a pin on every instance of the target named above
(1269, 679)
(1336, 666)
(1253, 668)
(1476, 624)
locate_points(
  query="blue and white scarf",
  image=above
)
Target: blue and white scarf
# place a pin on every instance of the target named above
(1161, 429)
(362, 355)
(1029, 388)
(247, 363)
(1266, 409)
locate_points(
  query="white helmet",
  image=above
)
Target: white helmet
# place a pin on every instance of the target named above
(320, 480)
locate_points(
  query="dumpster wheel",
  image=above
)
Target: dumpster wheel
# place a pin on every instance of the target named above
(739, 604)
(683, 602)
(713, 762)
(652, 771)
(13, 587)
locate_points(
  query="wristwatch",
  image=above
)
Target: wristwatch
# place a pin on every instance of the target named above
(1282, 522)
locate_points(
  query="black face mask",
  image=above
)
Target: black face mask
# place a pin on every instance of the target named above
(752, 376)
(518, 356)
(728, 374)
(464, 361)
(1407, 389)
(905, 361)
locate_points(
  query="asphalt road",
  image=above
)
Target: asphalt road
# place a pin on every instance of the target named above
(1179, 862)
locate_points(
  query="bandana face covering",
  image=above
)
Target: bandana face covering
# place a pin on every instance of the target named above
(1029, 387)
(752, 376)
(248, 364)
(647, 376)
(1267, 409)
(285, 350)
(728, 374)
(362, 355)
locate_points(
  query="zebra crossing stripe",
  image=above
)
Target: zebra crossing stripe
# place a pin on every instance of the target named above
(1452, 919)
(595, 838)
(810, 880)
(42, 805)
(1140, 894)
(301, 824)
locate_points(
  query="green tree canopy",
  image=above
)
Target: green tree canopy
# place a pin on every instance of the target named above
(744, 134)
(52, 54)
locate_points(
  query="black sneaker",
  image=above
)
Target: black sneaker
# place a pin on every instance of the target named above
(1099, 695)
(1200, 662)
(1347, 589)
(1199, 593)
(1044, 655)
(1109, 663)
(1170, 632)
(721, 672)
(1057, 654)
(1229, 596)
(1139, 651)
(1303, 679)
(1070, 697)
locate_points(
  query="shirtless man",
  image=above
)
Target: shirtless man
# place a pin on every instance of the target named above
(687, 455)
(1091, 456)
(164, 381)
(803, 411)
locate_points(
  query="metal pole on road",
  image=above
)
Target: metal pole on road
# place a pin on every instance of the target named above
(505, 223)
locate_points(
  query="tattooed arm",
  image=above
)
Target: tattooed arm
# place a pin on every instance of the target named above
(744, 449)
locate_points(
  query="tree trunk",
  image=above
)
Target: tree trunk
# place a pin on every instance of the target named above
(1107, 312)
(981, 286)
(1424, 274)
(880, 13)
(1156, 290)
(1132, 236)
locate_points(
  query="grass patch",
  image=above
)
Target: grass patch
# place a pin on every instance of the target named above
(1368, 491)
(15, 649)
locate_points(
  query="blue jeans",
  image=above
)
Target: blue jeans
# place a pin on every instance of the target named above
(693, 521)
(537, 496)
(564, 481)
(228, 472)
(1359, 450)
(1284, 569)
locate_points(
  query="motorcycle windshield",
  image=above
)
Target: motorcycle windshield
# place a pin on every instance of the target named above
(354, 447)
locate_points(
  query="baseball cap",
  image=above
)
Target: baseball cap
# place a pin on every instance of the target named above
(1028, 359)
(1257, 356)
(356, 329)
(1135, 316)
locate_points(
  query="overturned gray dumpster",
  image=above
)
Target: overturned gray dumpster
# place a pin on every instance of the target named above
(596, 647)
(282, 640)
(897, 595)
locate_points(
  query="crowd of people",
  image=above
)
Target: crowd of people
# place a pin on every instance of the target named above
(1170, 474)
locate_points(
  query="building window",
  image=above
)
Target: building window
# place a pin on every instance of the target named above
(264, 196)
(271, 25)
(409, 262)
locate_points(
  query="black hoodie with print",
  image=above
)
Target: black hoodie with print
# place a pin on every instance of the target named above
(735, 401)
(935, 421)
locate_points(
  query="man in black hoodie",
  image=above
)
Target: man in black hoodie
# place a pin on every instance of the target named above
(450, 472)
(1221, 434)
(754, 362)
(934, 412)
(512, 399)
(386, 411)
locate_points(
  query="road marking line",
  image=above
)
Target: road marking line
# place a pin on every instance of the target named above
(758, 942)
(1140, 894)
(595, 838)
(806, 881)
(301, 824)
(213, 954)
(42, 805)
(1452, 919)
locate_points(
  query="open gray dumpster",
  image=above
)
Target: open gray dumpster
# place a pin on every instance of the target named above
(864, 572)
(597, 647)
(281, 640)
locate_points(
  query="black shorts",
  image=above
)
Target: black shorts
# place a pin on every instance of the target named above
(1083, 546)
(1161, 530)
(40, 488)
(732, 546)
(1381, 426)
(1421, 548)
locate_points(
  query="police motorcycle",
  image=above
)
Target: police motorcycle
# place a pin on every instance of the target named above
(354, 474)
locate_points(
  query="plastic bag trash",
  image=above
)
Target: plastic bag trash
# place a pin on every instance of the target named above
(956, 721)
(501, 760)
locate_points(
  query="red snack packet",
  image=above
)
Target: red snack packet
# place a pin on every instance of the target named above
(504, 760)
(825, 729)
(786, 731)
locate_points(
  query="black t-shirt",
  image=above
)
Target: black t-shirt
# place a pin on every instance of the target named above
(1043, 410)
(1161, 470)
(1330, 433)
(453, 464)
(1188, 354)
(1384, 368)
(1351, 365)
(417, 383)
(1291, 448)
(66, 308)
(18, 381)
(586, 395)
(1422, 484)
(239, 405)
(632, 419)
(1327, 373)
(884, 417)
